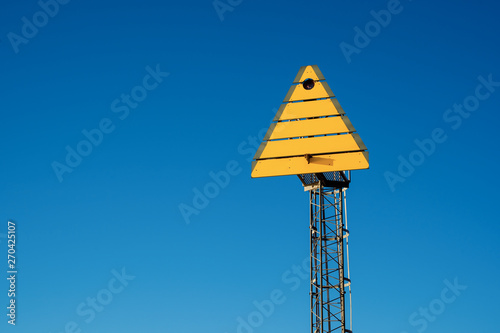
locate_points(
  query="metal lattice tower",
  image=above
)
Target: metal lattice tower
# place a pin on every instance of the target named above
(328, 281)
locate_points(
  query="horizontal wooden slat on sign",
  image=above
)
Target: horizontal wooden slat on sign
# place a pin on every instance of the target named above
(309, 109)
(317, 145)
(317, 163)
(298, 93)
(309, 127)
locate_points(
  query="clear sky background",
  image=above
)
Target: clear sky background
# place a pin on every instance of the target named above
(415, 230)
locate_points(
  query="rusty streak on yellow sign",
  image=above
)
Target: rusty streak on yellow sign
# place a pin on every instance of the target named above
(310, 133)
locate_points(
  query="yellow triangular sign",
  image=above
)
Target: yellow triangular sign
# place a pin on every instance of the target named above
(310, 133)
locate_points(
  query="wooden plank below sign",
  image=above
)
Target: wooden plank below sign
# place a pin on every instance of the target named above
(316, 145)
(317, 163)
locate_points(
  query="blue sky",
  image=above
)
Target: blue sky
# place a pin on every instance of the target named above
(102, 245)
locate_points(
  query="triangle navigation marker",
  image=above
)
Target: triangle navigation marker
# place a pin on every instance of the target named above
(310, 133)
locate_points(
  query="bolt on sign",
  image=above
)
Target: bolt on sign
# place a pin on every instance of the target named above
(310, 133)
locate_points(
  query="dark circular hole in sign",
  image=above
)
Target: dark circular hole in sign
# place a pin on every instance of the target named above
(308, 84)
